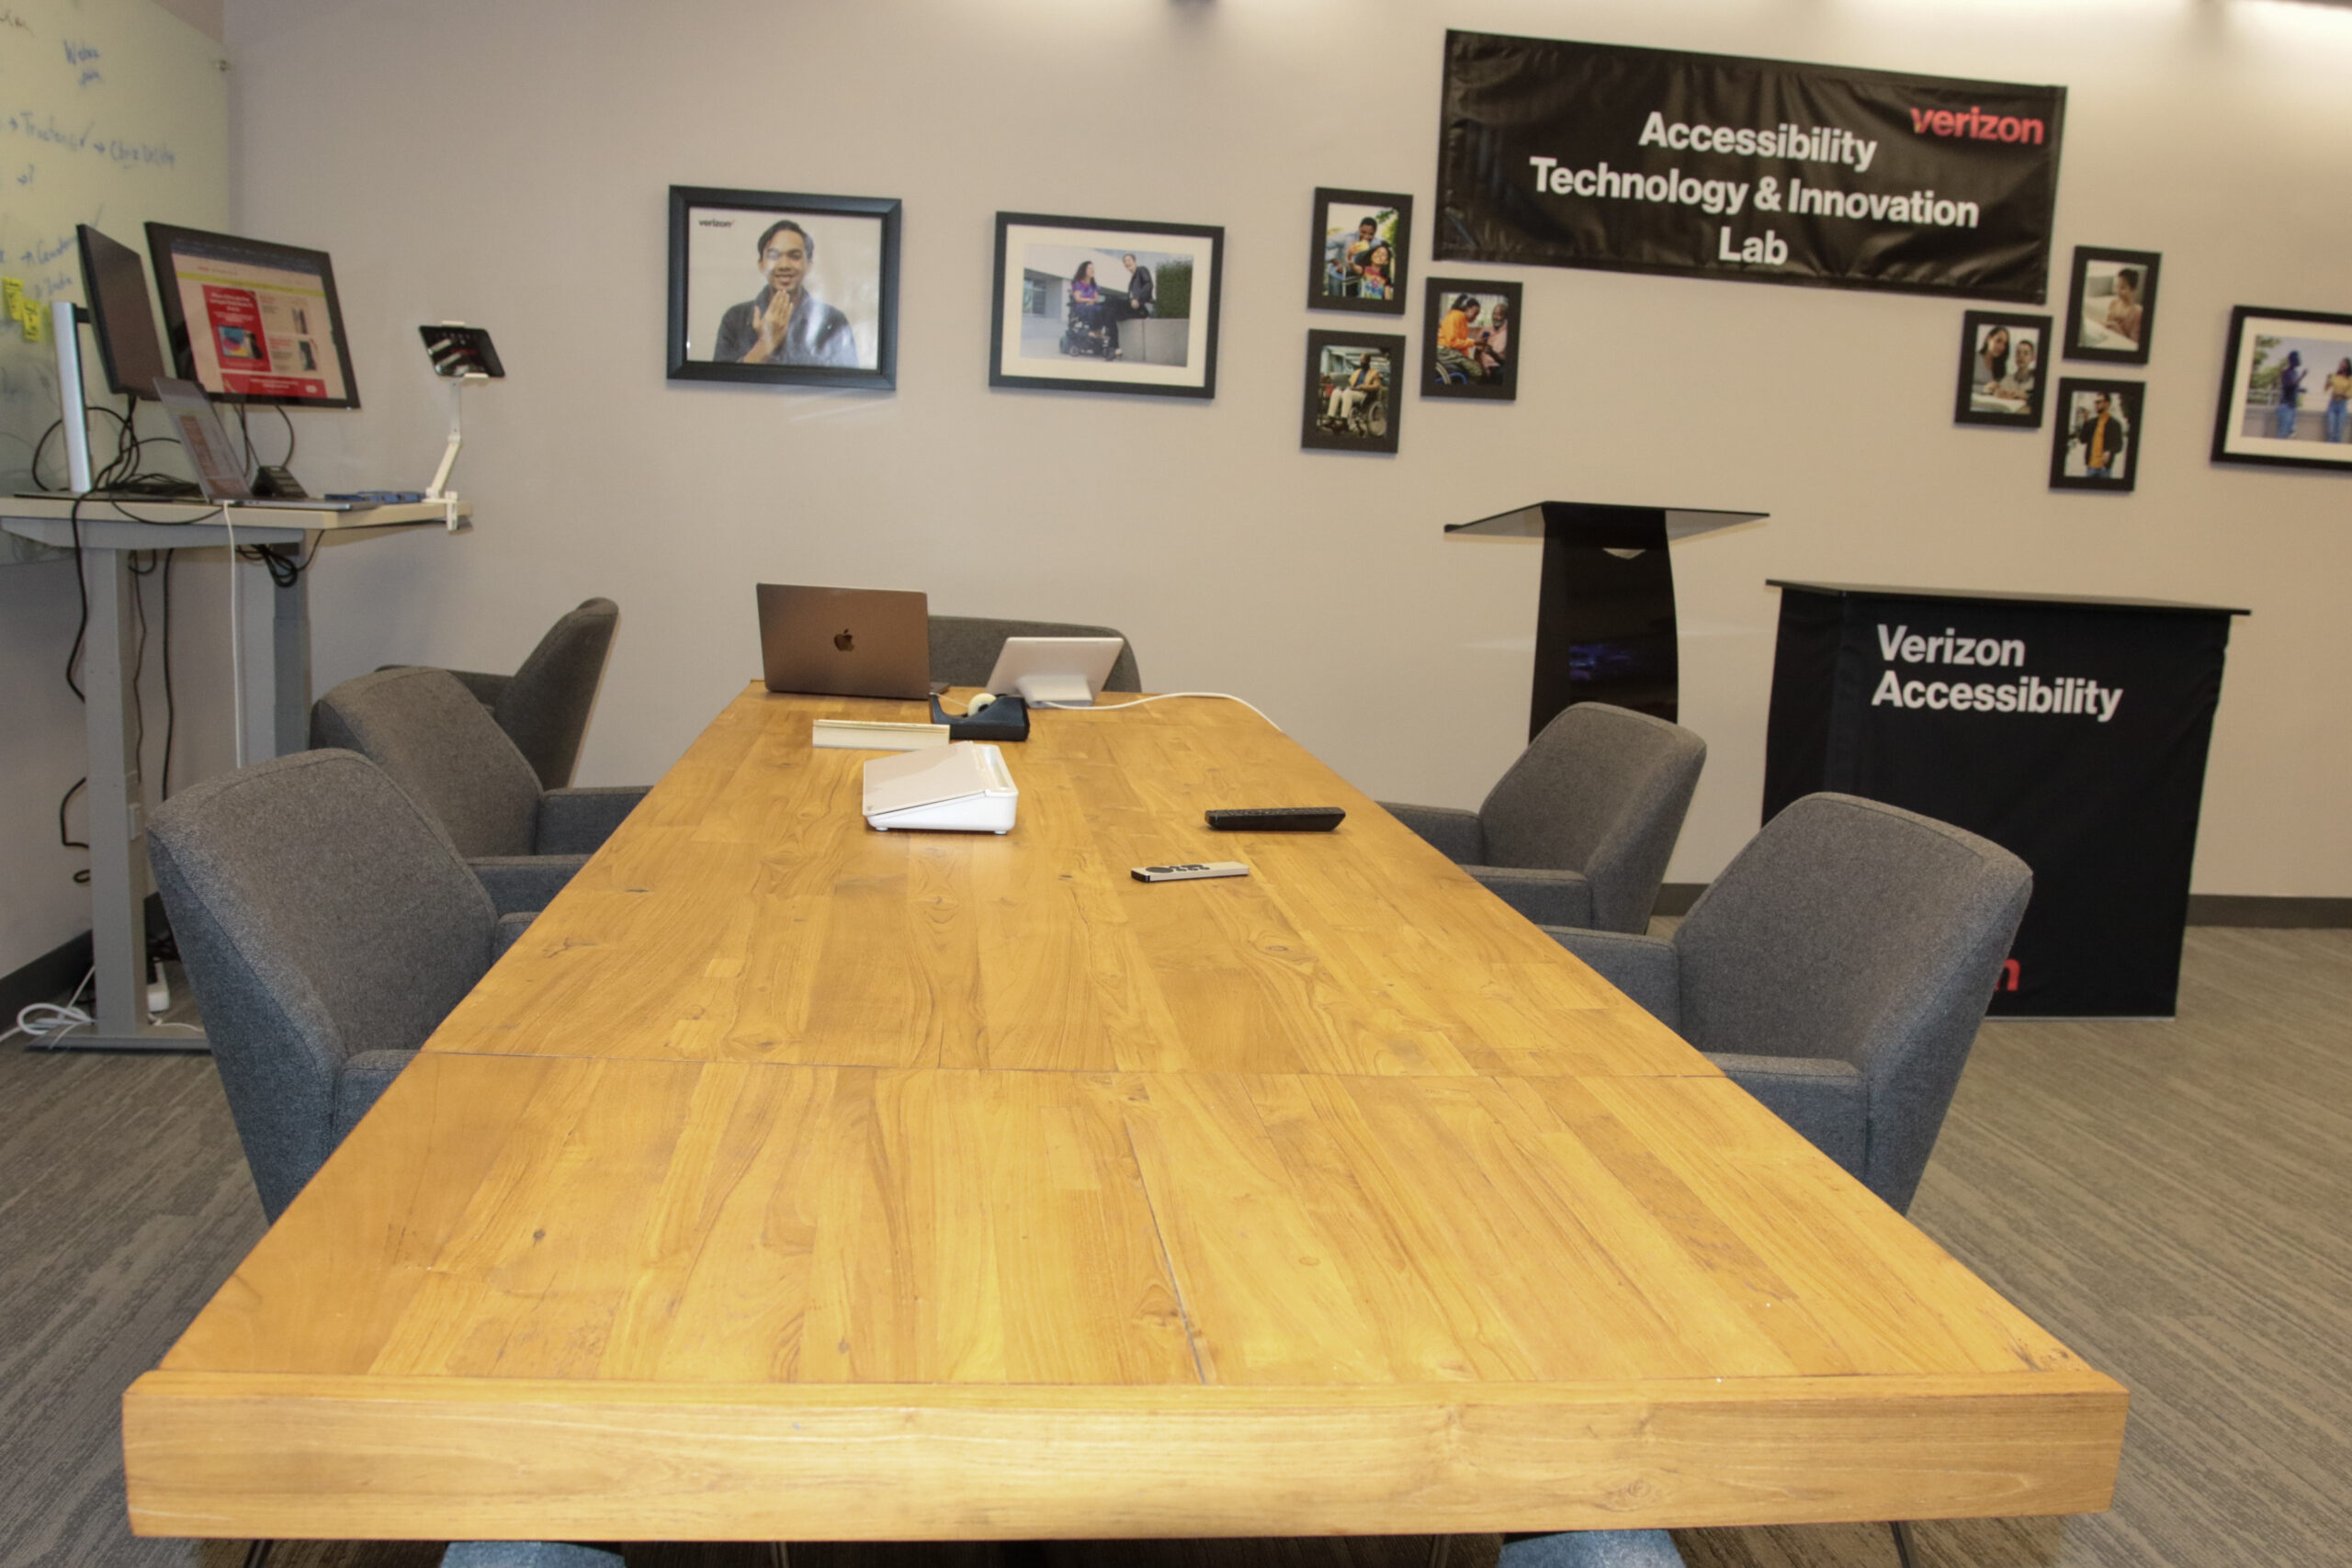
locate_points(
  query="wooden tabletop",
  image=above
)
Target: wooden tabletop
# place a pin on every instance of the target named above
(791, 1180)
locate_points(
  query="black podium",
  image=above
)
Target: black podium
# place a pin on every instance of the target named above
(1604, 625)
(2071, 731)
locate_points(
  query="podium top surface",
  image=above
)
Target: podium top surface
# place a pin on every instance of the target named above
(2086, 601)
(1537, 519)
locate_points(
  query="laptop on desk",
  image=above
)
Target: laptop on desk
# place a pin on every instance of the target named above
(221, 467)
(846, 642)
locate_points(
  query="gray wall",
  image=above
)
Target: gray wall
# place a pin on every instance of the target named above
(507, 164)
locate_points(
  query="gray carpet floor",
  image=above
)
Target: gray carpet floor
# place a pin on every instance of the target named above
(2172, 1199)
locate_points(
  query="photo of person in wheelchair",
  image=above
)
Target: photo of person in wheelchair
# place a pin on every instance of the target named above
(1357, 404)
(1466, 351)
(1092, 329)
(1470, 339)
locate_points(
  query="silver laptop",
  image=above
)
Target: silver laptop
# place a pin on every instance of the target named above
(221, 467)
(846, 642)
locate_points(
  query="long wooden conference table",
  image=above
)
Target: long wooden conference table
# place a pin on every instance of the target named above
(796, 1181)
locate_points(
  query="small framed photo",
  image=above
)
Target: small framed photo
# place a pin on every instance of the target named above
(1103, 305)
(1352, 401)
(2002, 361)
(766, 286)
(2097, 442)
(1470, 338)
(1356, 256)
(2112, 306)
(2285, 390)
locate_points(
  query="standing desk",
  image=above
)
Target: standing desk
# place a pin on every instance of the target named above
(790, 1180)
(274, 647)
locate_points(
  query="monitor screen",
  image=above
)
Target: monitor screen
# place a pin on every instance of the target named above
(252, 320)
(114, 280)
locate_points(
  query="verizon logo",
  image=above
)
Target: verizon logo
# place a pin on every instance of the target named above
(1975, 124)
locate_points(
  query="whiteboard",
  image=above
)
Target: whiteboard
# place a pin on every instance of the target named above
(112, 112)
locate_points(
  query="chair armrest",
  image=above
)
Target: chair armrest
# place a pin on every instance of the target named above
(1824, 1098)
(578, 821)
(524, 883)
(361, 1082)
(1547, 897)
(1646, 968)
(508, 932)
(1455, 833)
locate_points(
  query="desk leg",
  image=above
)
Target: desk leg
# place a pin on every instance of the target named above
(290, 680)
(118, 876)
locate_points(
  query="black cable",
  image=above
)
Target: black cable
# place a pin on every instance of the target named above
(170, 709)
(138, 668)
(289, 436)
(68, 839)
(81, 587)
(43, 445)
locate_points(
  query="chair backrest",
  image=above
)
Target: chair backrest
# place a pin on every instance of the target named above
(321, 914)
(1858, 930)
(1602, 790)
(964, 649)
(544, 709)
(424, 729)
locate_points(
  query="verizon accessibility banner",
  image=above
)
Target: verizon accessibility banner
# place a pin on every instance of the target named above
(1648, 160)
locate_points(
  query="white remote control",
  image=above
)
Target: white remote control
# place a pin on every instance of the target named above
(1189, 872)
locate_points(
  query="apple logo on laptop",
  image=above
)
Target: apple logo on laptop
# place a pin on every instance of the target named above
(843, 640)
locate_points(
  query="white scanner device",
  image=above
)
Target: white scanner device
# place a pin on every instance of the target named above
(962, 787)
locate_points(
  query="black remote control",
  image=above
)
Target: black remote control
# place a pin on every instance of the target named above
(1277, 820)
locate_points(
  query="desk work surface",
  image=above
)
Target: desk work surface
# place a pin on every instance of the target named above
(790, 1180)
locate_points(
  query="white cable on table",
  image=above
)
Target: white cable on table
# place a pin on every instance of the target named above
(1161, 698)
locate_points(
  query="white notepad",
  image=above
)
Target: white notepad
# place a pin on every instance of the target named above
(962, 787)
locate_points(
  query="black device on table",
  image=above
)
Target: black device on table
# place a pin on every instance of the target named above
(1276, 818)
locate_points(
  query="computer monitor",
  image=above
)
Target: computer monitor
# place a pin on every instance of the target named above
(114, 280)
(252, 320)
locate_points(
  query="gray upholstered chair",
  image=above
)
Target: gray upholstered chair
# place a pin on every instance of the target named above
(543, 706)
(1577, 832)
(328, 925)
(1837, 970)
(440, 745)
(964, 649)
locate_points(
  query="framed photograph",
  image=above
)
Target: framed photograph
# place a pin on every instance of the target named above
(2112, 306)
(766, 286)
(2285, 390)
(2002, 362)
(1351, 403)
(1470, 338)
(1356, 255)
(2096, 445)
(1101, 305)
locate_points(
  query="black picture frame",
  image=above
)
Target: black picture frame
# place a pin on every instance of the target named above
(705, 219)
(1974, 399)
(2245, 424)
(1369, 426)
(2086, 339)
(1482, 373)
(2129, 399)
(1333, 283)
(1057, 344)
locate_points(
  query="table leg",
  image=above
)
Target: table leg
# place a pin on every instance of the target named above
(290, 688)
(118, 875)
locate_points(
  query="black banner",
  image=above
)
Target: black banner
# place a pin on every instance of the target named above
(2072, 733)
(1648, 160)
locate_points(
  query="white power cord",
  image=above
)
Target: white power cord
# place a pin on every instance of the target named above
(46, 1023)
(1163, 696)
